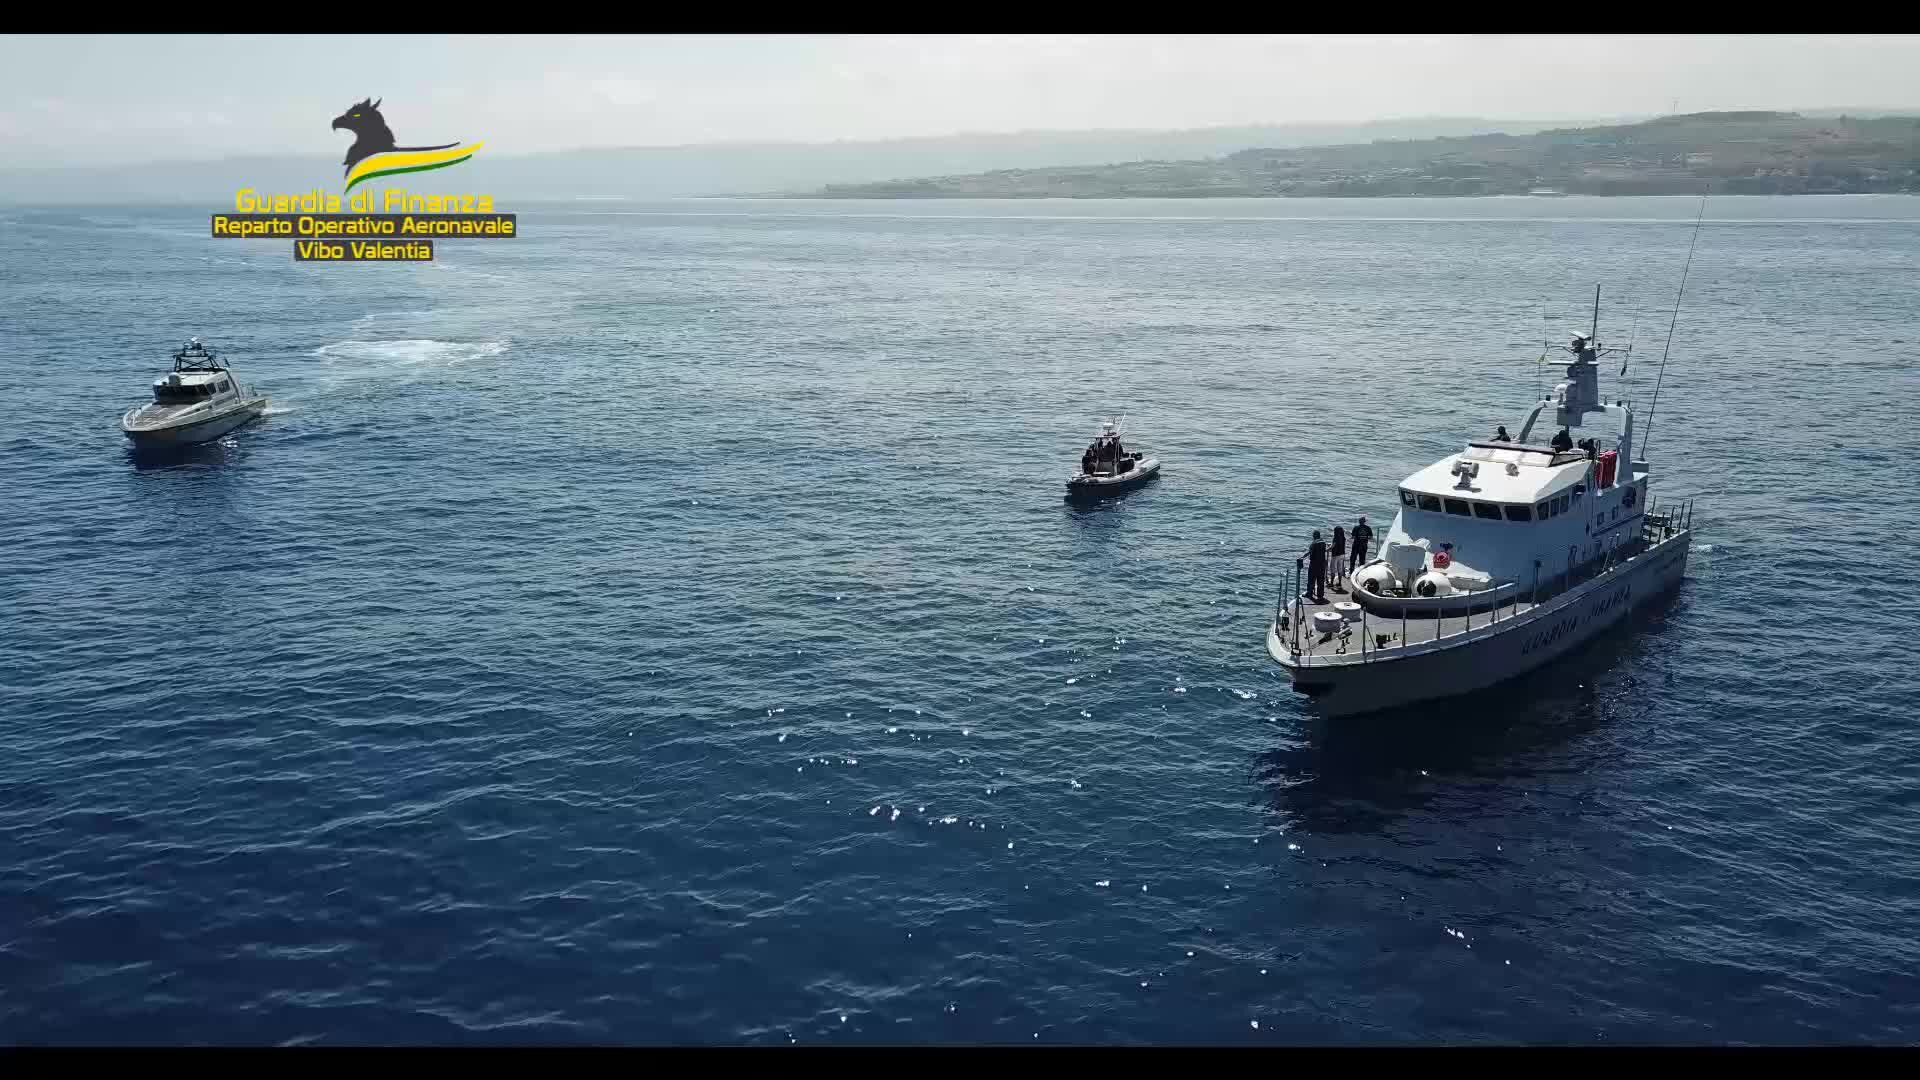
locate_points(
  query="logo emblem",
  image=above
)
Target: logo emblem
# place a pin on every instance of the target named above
(373, 152)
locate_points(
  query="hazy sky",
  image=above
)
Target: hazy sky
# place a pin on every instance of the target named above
(71, 100)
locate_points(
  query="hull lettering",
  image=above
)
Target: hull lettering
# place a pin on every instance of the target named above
(1568, 624)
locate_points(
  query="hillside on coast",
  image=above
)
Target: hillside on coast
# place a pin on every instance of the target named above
(1748, 153)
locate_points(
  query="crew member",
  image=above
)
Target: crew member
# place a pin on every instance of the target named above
(1362, 536)
(1317, 569)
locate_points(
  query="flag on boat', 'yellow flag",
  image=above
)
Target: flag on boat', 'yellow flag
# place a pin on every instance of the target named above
(394, 162)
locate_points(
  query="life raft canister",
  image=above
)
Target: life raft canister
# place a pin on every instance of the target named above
(1442, 560)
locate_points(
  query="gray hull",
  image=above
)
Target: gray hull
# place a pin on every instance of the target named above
(1488, 655)
(1083, 486)
(199, 431)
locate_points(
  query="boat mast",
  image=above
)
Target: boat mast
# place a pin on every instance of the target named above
(1682, 291)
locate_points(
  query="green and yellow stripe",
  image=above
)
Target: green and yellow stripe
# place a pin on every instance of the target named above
(395, 162)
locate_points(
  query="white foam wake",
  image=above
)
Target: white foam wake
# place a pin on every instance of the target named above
(372, 317)
(411, 351)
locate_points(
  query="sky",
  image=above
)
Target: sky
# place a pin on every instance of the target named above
(101, 100)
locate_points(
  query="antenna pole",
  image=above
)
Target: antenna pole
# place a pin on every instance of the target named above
(1651, 408)
(1539, 391)
(1632, 337)
(1595, 332)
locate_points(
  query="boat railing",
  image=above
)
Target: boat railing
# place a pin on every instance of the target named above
(1663, 521)
(1305, 645)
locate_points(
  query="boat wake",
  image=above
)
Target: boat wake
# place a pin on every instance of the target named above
(427, 351)
(372, 317)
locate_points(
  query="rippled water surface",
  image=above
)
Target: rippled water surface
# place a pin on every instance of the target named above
(666, 626)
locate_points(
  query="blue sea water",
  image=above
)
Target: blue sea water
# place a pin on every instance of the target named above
(666, 627)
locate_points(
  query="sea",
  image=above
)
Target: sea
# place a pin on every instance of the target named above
(666, 627)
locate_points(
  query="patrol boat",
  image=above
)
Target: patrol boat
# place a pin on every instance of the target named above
(198, 401)
(1500, 558)
(1107, 467)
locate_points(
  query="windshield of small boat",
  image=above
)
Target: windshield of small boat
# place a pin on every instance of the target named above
(166, 393)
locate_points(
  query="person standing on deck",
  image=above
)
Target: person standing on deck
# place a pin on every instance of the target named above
(1501, 435)
(1339, 554)
(1317, 569)
(1362, 536)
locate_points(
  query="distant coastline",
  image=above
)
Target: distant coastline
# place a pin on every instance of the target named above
(1735, 153)
(818, 197)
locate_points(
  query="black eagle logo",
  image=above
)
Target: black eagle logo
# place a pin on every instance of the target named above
(371, 135)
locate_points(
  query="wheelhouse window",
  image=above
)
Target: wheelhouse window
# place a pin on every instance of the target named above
(1560, 505)
(1406, 498)
(1487, 511)
(1519, 513)
(1459, 507)
(1543, 511)
(1430, 502)
(168, 394)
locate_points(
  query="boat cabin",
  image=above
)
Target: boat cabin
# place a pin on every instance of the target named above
(1105, 456)
(187, 387)
(197, 375)
(1504, 516)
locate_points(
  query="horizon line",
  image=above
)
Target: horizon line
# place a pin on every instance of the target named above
(722, 144)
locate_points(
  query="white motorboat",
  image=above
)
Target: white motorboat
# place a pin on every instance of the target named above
(1108, 467)
(1500, 558)
(198, 401)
